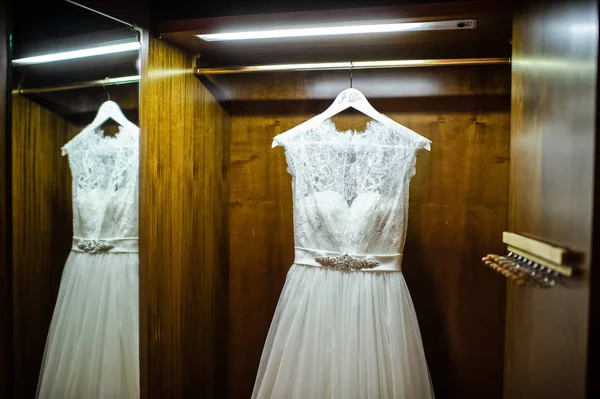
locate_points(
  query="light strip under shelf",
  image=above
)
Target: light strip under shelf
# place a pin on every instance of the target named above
(69, 55)
(340, 30)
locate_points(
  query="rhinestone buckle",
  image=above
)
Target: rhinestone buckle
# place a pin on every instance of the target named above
(346, 262)
(94, 247)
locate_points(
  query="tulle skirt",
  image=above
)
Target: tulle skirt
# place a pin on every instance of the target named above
(92, 346)
(343, 335)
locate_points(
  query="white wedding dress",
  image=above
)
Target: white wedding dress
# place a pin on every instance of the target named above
(345, 325)
(92, 346)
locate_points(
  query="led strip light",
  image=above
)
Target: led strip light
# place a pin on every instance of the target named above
(69, 55)
(340, 30)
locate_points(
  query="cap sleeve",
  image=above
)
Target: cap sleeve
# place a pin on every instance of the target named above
(424, 144)
(281, 141)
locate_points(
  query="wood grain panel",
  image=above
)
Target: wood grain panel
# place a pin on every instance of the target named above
(183, 193)
(458, 209)
(555, 51)
(5, 262)
(41, 231)
(398, 88)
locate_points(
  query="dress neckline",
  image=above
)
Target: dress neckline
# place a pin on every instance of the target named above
(122, 137)
(99, 134)
(370, 128)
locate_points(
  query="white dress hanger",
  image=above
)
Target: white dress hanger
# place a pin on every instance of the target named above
(108, 110)
(352, 98)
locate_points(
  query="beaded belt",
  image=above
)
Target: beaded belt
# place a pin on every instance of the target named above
(105, 245)
(348, 262)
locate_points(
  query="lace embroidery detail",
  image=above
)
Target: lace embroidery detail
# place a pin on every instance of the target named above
(346, 262)
(105, 179)
(94, 247)
(351, 188)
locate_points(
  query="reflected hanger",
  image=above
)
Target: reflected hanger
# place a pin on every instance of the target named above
(106, 90)
(353, 98)
(110, 110)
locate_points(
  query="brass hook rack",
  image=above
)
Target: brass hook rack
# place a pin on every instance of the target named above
(522, 270)
(533, 262)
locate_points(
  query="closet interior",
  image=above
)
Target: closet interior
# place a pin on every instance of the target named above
(51, 102)
(506, 97)
(213, 175)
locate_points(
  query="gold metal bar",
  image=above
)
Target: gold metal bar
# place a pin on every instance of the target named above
(352, 65)
(429, 63)
(80, 85)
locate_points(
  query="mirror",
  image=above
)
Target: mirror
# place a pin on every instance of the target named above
(74, 202)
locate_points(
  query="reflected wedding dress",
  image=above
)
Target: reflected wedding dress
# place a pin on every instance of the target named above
(92, 346)
(345, 325)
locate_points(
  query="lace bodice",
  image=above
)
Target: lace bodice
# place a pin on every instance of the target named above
(105, 173)
(351, 188)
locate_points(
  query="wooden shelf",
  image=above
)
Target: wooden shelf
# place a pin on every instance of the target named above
(551, 256)
(490, 39)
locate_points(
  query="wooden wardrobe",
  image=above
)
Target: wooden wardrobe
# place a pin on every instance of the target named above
(513, 150)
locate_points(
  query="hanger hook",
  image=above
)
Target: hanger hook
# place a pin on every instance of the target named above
(104, 87)
(20, 85)
(351, 68)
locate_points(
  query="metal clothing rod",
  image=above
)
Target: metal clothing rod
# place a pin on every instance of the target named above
(99, 13)
(81, 85)
(352, 65)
